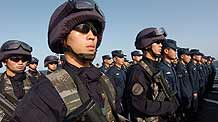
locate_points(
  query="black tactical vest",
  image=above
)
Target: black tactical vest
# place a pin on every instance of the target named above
(69, 93)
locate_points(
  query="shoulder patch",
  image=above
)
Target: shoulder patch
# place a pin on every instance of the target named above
(137, 89)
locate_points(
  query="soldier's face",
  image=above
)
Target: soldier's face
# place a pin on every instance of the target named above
(156, 47)
(82, 43)
(119, 61)
(170, 53)
(137, 58)
(186, 58)
(197, 57)
(52, 66)
(108, 61)
(16, 63)
(33, 66)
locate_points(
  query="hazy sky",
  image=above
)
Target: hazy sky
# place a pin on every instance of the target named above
(192, 23)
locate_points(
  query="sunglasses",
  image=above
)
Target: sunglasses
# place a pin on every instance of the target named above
(85, 28)
(53, 63)
(159, 42)
(15, 44)
(19, 58)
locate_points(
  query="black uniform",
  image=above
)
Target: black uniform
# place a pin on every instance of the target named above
(44, 103)
(202, 78)
(118, 75)
(140, 92)
(34, 76)
(194, 78)
(185, 85)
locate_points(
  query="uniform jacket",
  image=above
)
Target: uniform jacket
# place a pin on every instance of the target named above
(140, 93)
(194, 76)
(44, 103)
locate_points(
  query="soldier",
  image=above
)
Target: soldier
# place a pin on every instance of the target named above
(194, 78)
(136, 56)
(197, 56)
(51, 62)
(143, 90)
(78, 92)
(166, 65)
(183, 79)
(106, 64)
(32, 73)
(118, 75)
(15, 56)
(212, 73)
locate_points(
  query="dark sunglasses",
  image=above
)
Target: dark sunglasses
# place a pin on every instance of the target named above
(159, 42)
(85, 28)
(19, 58)
(53, 63)
(15, 44)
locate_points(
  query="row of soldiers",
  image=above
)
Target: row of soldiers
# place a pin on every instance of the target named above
(146, 91)
(188, 75)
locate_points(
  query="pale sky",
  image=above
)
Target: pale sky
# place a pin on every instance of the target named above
(192, 23)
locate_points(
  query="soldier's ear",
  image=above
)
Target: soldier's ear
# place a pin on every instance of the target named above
(166, 50)
(65, 43)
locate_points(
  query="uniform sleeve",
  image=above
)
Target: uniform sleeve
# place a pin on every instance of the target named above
(40, 104)
(140, 98)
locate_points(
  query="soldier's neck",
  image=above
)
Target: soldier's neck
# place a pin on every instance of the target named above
(149, 56)
(167, 60)
(74, 61)
(10, 73)
(118, 65)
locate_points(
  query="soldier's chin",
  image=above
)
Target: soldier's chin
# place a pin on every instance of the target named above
(18, 71)
(86, 57)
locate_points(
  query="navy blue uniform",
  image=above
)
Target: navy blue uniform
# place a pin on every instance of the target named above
(103, 69)
(170, 75)
(202, 79)
(194, 78)
(140, 93)
(185, 85)
(212, 76)
(118, 76)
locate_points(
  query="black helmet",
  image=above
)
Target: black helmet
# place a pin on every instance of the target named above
(34, 60)
(70, 14)
(50, 59)
(148, 36)
(12, 47)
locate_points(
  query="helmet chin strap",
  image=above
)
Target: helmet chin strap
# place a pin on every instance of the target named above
(82, 56)
(156, 56)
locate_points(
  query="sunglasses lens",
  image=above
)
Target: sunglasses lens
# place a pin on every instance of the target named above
(82, 28)
(85, 28)
(18, 58)
(158, 42)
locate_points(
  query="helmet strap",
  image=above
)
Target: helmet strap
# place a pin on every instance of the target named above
(82, 57)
